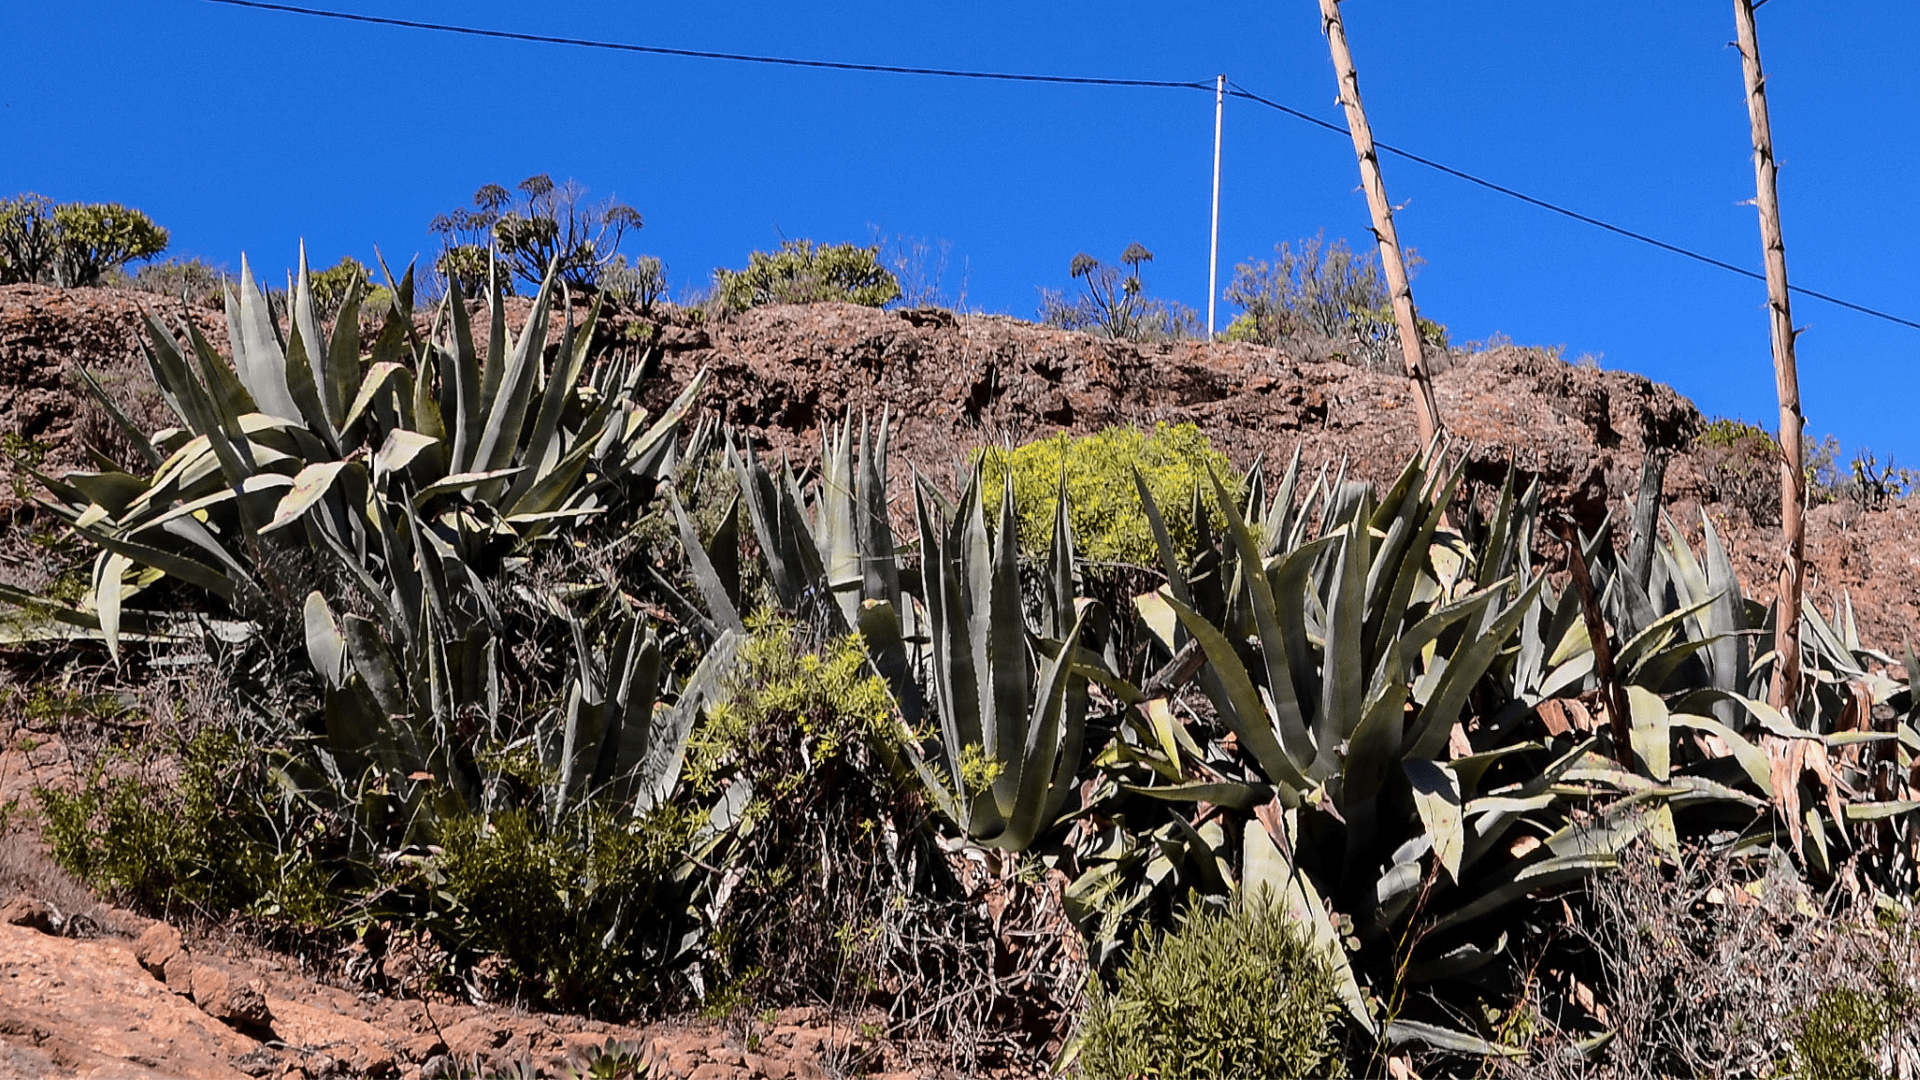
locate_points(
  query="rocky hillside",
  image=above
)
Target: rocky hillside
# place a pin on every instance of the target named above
(952, 383)
(86, 989)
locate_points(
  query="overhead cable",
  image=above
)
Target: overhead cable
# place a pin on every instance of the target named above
(1235, 90)
(1238, 91)
(700, 54)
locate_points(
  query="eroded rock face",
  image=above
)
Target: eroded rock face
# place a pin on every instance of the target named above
(155, 948)
(94, 1007)
(952, 383)
(31, 913)
(87, 1008)
(45, 331)
(955, 382)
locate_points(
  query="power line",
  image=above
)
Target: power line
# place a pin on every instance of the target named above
(699, 54)
(1069, 80)
(1241, 92)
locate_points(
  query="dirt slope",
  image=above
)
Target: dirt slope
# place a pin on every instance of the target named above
(952, 383)
(80, 1002)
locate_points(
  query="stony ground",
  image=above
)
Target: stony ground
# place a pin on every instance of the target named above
(89, 990)
(99, 1005)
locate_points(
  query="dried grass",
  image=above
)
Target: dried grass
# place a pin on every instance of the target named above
(1712, 966)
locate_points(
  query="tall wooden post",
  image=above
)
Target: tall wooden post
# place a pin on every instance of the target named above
(1391, 259)
(1785, 692)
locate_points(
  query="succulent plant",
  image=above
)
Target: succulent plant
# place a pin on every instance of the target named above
(1351, 681)
(381, 501)
(999, 706)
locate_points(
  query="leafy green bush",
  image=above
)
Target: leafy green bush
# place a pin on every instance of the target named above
(1235, 993)
(27, 239)
(197, 280)
(192, 839)
(71, 244)
(1743, 467)
(639, 286)
(1103, 505)
(1839, 1034)
(803, 272)
(795, 755)
(330, 286)
(98, 237)
(1324, 289)
(470, 266)
(830, 701)
(589, 909)
(1724, 432)
(1115, 303)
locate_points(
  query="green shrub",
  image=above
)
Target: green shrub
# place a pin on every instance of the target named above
(200, 282)
(585, 910)
(1240, 993)
(1724, 432)
(1109, 524)
(802, 272)
(192, 839)
(1245, 327)
(639, 286)
(97, 237)
(469, 266)
(831, 701)
(536, 225)
(24, 454)
(330, 285)
(71, 244)
(1742, 464)
(28, 238)
(1325, 289)
(1839, 1035)
(820, 819)
(1318, 287)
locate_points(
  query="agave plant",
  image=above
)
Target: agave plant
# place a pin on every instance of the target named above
(1698, 685)
(1011, 704)
(995, 708)
(403, 484)
(1350, 671)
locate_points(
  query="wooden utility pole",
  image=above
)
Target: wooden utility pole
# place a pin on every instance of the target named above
(1391, 259)
(1793, 478)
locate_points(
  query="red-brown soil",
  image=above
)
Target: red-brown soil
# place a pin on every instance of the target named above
(952, 384)
(80, 1003)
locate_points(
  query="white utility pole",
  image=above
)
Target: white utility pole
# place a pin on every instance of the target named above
(1213, 252)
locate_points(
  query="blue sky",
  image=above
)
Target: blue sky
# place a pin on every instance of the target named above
(248, 131)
